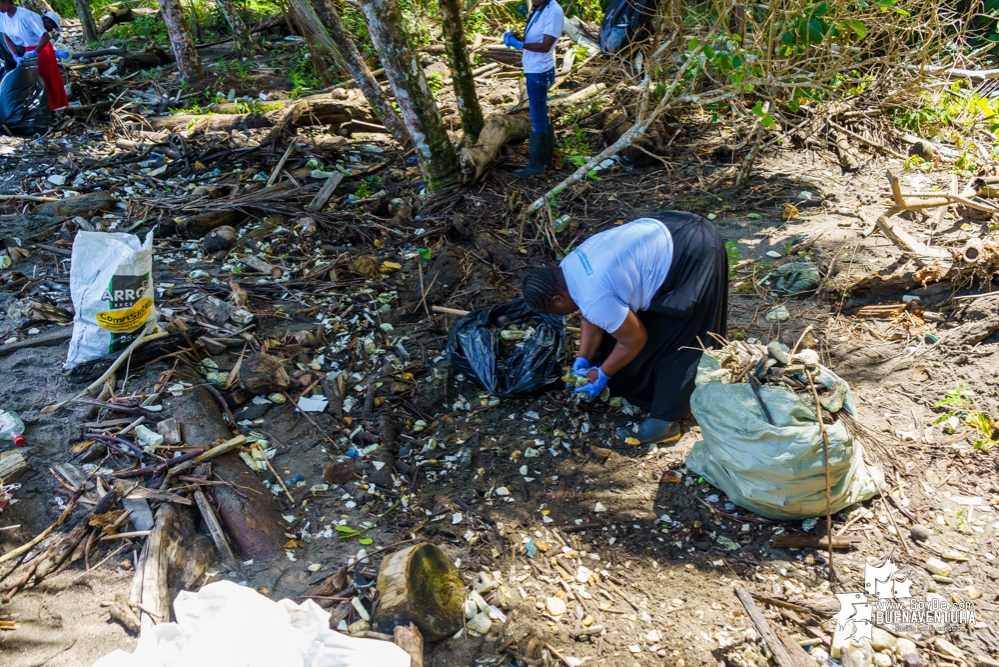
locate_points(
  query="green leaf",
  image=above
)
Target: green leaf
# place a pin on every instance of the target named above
(592, 173)
(857, 26)
(768, 121)
(754, 216)
(364, 540)
(345, 529)
(709, 52)
(758, 109)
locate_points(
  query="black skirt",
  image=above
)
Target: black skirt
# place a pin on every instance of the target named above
(691, 303)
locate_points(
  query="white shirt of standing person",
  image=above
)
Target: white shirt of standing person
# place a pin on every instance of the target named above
(24, 28)
(547, 21)
(618, 270)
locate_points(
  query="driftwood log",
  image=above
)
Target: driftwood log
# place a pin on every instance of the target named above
(246, 508)
(173, 558)
(307, 112)
(125, 15)
(409, 639)
(12, 465)
(499, 130)
(503, 127)
(420, 585)
(198, 225)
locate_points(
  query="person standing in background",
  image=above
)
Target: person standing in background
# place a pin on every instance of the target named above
(22, 27)
(544, 27)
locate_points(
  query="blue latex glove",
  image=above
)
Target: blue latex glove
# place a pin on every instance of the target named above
(62, 54)
(511, 40)
(593, 389)
(30, 54)
(17, 58)
(580, 366)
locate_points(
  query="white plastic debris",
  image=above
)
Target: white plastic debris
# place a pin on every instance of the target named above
(312, 403)
(228, 624)
(147, 436)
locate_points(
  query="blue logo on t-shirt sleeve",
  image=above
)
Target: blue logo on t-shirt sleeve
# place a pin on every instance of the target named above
(585, 261)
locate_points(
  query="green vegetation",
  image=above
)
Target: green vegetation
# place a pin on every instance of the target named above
(436, 82)
(958, 403)
(242, 70)
(574, 147)
(732, 251)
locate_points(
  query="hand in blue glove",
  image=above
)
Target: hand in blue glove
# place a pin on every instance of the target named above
(511, 40)
(581, 366)
(30, 54)
(593, 389)
(62, 54)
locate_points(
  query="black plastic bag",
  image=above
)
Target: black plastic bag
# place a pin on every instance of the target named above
(24, 107)
(622, 22)
(473, 348)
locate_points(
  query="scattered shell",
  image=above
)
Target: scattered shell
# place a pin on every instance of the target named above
(937, 566)
(555, 606)
(778, 314)
(480, 623)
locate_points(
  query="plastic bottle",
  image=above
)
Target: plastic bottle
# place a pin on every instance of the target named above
(11, 428)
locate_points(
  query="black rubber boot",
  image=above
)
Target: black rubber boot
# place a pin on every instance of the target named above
(536, 160)
(550, 147)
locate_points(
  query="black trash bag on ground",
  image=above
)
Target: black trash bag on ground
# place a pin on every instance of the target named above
(474, 348)
(622, 22)
(24, 107)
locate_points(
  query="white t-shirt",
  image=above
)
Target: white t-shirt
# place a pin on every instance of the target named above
(618, 270)
(25, 28)
(547, 21)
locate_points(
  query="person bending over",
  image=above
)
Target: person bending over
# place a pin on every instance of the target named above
(649, 293)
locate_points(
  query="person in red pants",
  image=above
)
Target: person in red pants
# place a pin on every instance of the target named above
(23, 28)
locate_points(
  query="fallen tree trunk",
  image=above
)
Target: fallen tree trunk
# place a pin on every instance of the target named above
(420, 585)
(173, 558)
(247, 508)
(307, 112)
(503, 127)
(197, 226)
(498, 130)
(126, 15)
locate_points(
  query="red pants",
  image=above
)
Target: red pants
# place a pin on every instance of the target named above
(48, 69)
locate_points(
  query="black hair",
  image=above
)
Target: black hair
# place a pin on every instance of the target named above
(539, 286)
